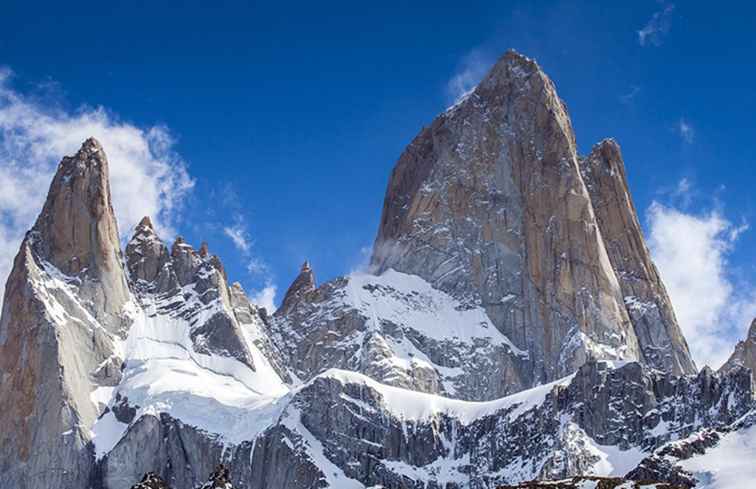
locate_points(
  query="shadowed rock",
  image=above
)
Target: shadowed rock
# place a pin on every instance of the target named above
(661, 341)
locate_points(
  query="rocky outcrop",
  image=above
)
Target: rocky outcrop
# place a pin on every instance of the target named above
(148, 260)
(593, 482)
(151, 481)
(744, 354)
(302, 285)
(661, 341)
(488, 204)
(188, 284)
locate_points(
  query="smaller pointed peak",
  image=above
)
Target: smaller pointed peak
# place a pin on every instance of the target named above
(91, 144)
(512, 55)
(303, 284)
(511, 68)
(752, 330)
(607, 147)
(180, 246)
(204, 251)
(146, 222)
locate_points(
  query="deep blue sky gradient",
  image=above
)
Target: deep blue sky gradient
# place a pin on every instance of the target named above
(300, 110)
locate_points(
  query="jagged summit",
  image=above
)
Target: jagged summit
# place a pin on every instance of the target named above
(146, 222)
(661, 340)
(77, 230)
(744, 354)
(304, 283)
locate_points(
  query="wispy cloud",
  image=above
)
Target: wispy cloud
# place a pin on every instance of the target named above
(147, 176)
(627, 98)
(239, 236)
(686, 131)
(471, 70)
(692, 251)
(256, 267)
(652, 34)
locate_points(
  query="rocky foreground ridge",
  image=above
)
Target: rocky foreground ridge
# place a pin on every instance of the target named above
(512, 328)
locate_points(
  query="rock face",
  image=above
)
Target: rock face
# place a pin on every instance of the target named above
(744, 354)
(661, 341)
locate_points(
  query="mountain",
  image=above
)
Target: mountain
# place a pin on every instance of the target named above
(530, 257)
(512, 327)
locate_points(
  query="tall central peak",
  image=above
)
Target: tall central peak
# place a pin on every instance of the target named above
(488, 204)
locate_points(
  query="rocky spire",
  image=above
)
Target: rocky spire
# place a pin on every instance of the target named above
(304, 283)
(146, 254)
(649, 307)
(77, 231)
(744, 354)
(488, 204)
(56, 342)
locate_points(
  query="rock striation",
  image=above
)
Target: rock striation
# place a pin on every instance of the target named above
(659, 335)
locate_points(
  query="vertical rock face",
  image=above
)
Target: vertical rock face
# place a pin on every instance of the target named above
(744, 354)
(649, 307)
(62, 314)
(77, 231)
(488, 204)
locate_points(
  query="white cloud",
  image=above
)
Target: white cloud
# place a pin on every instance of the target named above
(147, 176)
(686, 131)
(266, 297)
(657, 26)
(691, 251)
(238, 235)
(471, 71)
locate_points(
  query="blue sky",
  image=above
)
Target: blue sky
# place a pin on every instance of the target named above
(288, 118)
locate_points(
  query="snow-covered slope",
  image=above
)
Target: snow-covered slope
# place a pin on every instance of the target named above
(399, 330)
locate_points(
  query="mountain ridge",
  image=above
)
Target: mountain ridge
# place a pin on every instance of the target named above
(512, 327)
